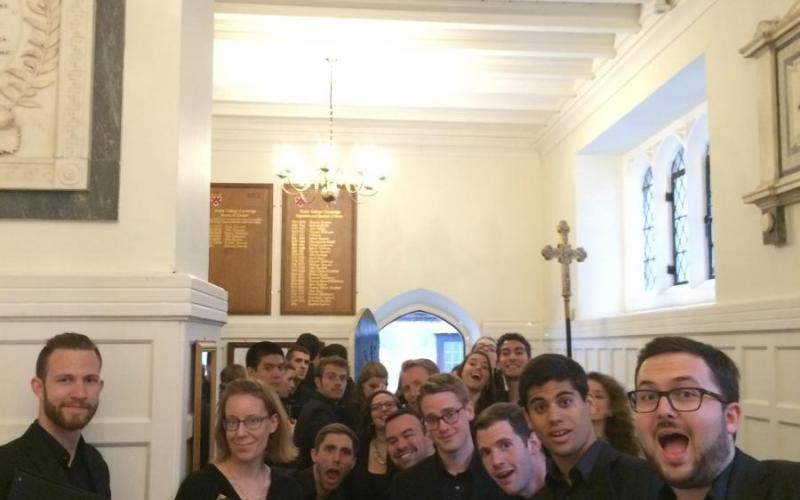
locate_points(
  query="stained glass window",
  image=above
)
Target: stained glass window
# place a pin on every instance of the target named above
(680, 226)
(648, 230)
(708, 220)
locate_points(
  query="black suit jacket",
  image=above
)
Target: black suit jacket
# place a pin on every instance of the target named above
(37, 453)
(752, 479)
(316, 414)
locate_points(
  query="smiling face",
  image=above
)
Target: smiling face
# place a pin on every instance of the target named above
(600, 402)
(333, 460)
(475, 372)
(512, 358)
(688, 449)
(448, 437)
(248, 445)
(508, 459)
(562, 420)
(407, 441)
(70, 392)
(382, 406)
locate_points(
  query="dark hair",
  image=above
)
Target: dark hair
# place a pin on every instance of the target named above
(310, 342)
(618, 428)
(336, 428)
(369, 370)
(332, 361)
(505, 412)
(722, 367)
(367, 428)
(259, 350)
(406, 411)
(297, 348)
(280, 448)
(547, 367)
(334, 350)
(229, 374)
(70, 341)
(513, 336)
(487, 396)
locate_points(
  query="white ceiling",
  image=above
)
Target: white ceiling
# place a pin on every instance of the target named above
(412, 68)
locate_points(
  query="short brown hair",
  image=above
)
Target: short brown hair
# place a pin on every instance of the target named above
(330, 361)
(336, 428)
(444, 382)
(69, 340)
(280, 448)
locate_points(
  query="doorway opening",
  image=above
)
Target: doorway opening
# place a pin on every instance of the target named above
(420, 334)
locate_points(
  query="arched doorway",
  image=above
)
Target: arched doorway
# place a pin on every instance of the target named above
(420, 334)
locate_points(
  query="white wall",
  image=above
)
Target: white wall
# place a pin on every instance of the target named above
(462, 224)
(757, 310)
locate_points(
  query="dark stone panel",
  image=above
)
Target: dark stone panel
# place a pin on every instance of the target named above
(101, 200)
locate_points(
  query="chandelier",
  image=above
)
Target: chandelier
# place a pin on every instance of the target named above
(330, 178)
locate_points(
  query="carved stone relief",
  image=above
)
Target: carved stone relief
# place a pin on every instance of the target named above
(45, 93)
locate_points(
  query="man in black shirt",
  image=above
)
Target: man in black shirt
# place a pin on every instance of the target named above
(687, 411)
(334, 455)
(68, 385)
(324, 407)
(555, 391)
(454, 472)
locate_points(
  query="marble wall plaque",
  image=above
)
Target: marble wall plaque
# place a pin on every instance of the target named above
(45, 93)
(66, 162)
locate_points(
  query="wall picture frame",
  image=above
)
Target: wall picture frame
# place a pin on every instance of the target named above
(775, 49)
(204, 403)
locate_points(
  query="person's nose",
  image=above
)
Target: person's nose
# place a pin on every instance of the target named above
(663, 406)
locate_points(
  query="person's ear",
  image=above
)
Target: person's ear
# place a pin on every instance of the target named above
(534, 444)
(250, 372)
(733, 418)
(37, 386)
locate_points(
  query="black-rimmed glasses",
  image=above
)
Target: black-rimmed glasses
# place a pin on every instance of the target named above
(449, 415)
(252, 423)
(682, 399)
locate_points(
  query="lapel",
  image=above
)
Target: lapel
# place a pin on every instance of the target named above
(747, 478)
(40, 457)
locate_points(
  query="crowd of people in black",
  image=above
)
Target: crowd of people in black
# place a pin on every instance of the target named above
(501, 425)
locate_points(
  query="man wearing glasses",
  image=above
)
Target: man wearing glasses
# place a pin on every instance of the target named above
(687, 412)
(454, 472)
(555, 391)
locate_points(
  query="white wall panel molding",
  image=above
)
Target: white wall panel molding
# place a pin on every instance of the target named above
(128, 297)
(773, 315)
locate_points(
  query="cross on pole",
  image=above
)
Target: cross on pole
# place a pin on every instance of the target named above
(565, 255)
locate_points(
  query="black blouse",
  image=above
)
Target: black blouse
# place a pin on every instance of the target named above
(209, 483)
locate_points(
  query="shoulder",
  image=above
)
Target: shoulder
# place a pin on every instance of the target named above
(284, 486)
(202, 483)
(424, 470)
(768, 479)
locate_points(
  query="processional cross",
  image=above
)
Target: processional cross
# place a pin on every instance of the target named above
(565, 254)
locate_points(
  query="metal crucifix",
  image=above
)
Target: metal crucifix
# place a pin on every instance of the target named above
(565, 254)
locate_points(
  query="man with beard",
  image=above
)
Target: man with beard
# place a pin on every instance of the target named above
(334, 455)
(687, 413)
(454, 471)
(513, 351)
(511, 453)
(406, 439)
(581, 466)
(68, 385)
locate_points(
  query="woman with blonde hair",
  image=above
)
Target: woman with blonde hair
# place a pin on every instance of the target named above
(251, 426)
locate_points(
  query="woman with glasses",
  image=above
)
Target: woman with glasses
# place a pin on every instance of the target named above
(371, 478)
(251, 426)
(611, 413)
(476, 373)
(373, 377)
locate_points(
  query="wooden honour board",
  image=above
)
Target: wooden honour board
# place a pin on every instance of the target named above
(240, 245)
(318, 256)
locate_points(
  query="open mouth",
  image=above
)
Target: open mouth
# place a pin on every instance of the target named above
(504, 474)
(332, 475)
(560, 436)
(674, 444)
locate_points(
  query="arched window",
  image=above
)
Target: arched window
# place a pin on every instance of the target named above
(680, 225)
(708, 220)
(648, 230)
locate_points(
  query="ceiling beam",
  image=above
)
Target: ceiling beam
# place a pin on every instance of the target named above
(520, 16)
